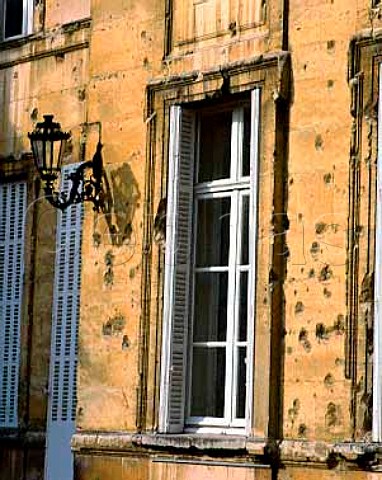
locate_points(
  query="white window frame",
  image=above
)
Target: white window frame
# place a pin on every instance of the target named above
(235, 187)
(377, 340)
(27, 20)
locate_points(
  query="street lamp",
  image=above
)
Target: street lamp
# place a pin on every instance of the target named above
(48, 144)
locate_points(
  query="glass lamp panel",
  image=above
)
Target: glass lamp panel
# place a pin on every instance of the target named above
(210, 310)
(38, 154)
(212, 245)
(208, 382)
(215, 146)
(49, 156)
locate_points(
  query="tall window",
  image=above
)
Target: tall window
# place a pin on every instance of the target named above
(16, 18)
(210, 266)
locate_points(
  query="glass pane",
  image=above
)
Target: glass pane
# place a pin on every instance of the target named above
(13, 18)
(210, 311)
(246, 142)
(208, 382)
(215, 146)
(241, 382)
(243, 307)
(244, 230)
(212, 237)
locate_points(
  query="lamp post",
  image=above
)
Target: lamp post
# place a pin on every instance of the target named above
(48, 144)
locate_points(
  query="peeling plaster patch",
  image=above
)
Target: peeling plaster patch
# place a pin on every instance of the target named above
(289, 350)
(303, 339)
(131, 273)
(299, 308)
(318, 142)
(325, 274)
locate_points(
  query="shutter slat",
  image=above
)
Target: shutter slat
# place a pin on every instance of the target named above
(177, 273)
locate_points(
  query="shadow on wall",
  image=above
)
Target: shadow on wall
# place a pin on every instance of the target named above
(121, 201)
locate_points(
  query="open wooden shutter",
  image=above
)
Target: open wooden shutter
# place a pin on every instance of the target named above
(13, 200)
(63, 359)
(253, 209)
(177, 269)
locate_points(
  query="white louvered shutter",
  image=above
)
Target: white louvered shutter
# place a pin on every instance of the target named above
(177, 269)
(63, 359)
(13, 201)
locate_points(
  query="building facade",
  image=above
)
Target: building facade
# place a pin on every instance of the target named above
(220, 316)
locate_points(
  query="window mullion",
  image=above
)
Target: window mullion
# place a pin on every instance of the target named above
(231, 314)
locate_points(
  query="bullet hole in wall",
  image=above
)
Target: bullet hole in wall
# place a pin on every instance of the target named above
(333, 415)
(114, 325)
(81, 94)
(320, 228)
(108, 276)
(327, 293)
(299, 308)
(339, 324)
(327, 178)
(321, 332)
(315, 248)
(96, 239)
(125, 342)
(325, 274)
(34, 115)
(330, 83)
(329, 380)
(303, 339)
(330, 44)
(302, 430)
(311, 273)
(318, 142)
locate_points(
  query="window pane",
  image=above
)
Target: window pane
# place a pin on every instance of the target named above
(13, 18)
(243, 306)
(212, 237)
(208, 382)
(210, 312)
(241, 382)
(244, 230)
(215, 146)
(246, 142)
